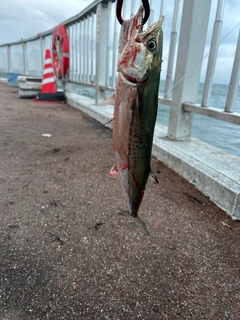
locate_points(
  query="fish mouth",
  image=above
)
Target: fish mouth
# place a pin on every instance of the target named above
(132, 80)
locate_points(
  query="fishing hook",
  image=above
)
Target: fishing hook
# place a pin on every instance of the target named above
(145, 6)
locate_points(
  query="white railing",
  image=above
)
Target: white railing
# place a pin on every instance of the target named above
(93, 37)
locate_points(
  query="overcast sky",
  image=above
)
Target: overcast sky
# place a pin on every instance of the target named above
(26, 18)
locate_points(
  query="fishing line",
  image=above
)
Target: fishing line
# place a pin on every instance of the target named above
(104, 124)
(159, 101)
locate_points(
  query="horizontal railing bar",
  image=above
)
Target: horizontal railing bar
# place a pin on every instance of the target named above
(92, 85)
(166, 101)
(38, 36)
(213, 113)
(106, 88)
(84, 13)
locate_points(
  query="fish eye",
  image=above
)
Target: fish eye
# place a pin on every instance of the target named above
(151, 45)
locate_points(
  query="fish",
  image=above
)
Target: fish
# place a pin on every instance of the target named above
(135, 108)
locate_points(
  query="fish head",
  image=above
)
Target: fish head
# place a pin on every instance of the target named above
(140, 52)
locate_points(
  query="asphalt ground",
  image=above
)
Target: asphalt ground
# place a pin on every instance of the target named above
(66, 254)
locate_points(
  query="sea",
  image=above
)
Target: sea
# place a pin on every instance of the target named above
(217, 133)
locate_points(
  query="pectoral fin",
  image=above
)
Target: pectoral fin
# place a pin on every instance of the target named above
(153, 177)
(110, 100)
(114, 171)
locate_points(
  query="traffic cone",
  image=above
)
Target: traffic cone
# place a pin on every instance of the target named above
(49, 90)
(48, 82)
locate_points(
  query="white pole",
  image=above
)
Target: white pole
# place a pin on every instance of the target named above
(192, 39)
(217, 29)
(234, 82)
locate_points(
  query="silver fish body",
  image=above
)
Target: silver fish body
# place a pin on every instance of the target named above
(135, 107)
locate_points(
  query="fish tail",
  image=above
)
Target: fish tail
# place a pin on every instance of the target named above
(142, 223)
(126, 213)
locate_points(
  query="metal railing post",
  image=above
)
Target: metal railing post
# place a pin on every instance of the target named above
(172, 51)
(9, 58)
(234, 81)
(41, 53)
(102, 25)
(24, 57)
(217, 29)
(192, 39)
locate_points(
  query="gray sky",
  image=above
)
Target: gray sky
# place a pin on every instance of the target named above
(26, 18)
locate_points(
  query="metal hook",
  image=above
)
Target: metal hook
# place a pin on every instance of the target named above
(146, 11)
(119, 11)
(145, 6)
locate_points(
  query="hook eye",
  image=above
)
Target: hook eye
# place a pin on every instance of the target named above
(145, 6)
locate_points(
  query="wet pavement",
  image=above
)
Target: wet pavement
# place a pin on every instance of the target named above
(66, 254)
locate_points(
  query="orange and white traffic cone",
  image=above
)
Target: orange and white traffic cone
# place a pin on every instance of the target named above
(48, 81)
(49, 89)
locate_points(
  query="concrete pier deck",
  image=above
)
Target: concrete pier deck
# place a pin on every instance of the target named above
(65, 254)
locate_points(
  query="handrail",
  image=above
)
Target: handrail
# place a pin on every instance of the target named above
(213, 113)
